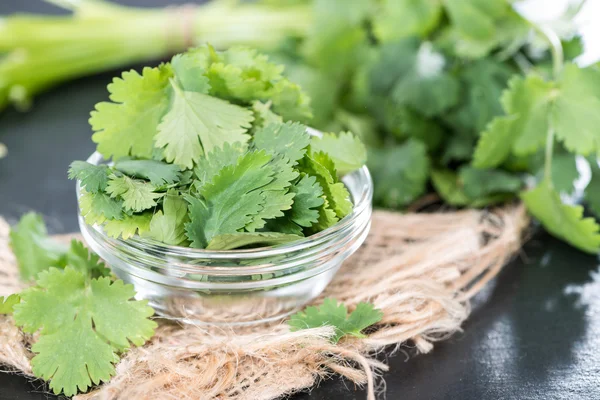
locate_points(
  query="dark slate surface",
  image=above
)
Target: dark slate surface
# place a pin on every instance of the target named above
(534, 332)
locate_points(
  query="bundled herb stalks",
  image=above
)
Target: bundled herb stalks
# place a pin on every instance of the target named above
(40, 51)
(203, 158)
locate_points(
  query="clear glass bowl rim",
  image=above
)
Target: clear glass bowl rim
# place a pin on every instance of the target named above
(361, 205)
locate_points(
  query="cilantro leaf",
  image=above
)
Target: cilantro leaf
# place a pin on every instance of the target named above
(288, 140)
(7, 304)
(399, 19)
(93, 178)
(321, 166)
(414, 75)
(263, 115)
(575, 113)
(592, 190)
(527, 103)
(242, 75)
(400, 173)
(158, 173)
(136, 195)
(332, 313)
(346, 150)
(167, 225)
(495, 144)
(208, 167)
(564, 172)
(34, 250)
(81, 259)
(230, 201)
(189, 70)
(327, 218)
(94, 316)
(446, 185)
(97, 208)
(480, 26)
(464, 190)
(237, 240)
(483, 82)
(275, 202)
(127, 125)
(308, 204)
(128, 226)
(533, 106)
(561, 220)
(196, 124)
(307, 200)
(479, 183)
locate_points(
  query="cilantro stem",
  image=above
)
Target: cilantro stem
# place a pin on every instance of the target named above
(558, 58)
(558, 61)
(549, 153)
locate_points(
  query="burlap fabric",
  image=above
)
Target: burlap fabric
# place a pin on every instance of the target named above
(420, 269)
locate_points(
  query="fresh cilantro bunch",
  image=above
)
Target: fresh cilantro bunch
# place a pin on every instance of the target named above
(463, 98)
(202, 156)
(84, 317)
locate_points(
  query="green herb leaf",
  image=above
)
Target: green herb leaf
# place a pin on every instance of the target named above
(231, 200)
(332, 313)
(237, 240)
(168, 224)
(136, 195)
(93, 178)
(158, 173)
(196, 124)
(531, 104)
(575, 113)
(208, 167)
(127, 125)
(307, 200)
(592, 191)
(288, 140)
(97, 208)
(81, 259)
(7, 305)
(495, 144)
(94, 316)
(414, 75)
(321, 166)
(129, 226)
(480, 183)
(33, 249)
(346, 150)
(563, 221)
(400, 173)
(399, 19)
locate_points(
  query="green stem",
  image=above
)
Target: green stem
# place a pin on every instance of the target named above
(558, 61)
(549, 154)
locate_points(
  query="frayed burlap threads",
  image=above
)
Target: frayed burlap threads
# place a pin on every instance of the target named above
(420, 269)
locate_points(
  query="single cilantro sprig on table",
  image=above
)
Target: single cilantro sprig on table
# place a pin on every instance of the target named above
(202, 156)
(85, 318)
(332, 313)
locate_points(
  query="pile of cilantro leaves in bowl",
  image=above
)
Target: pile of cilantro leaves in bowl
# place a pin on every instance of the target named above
(207, 152)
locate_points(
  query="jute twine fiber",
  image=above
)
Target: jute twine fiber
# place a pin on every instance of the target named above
(420, 269)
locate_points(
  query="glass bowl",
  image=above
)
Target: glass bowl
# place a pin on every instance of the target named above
(235, 287)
